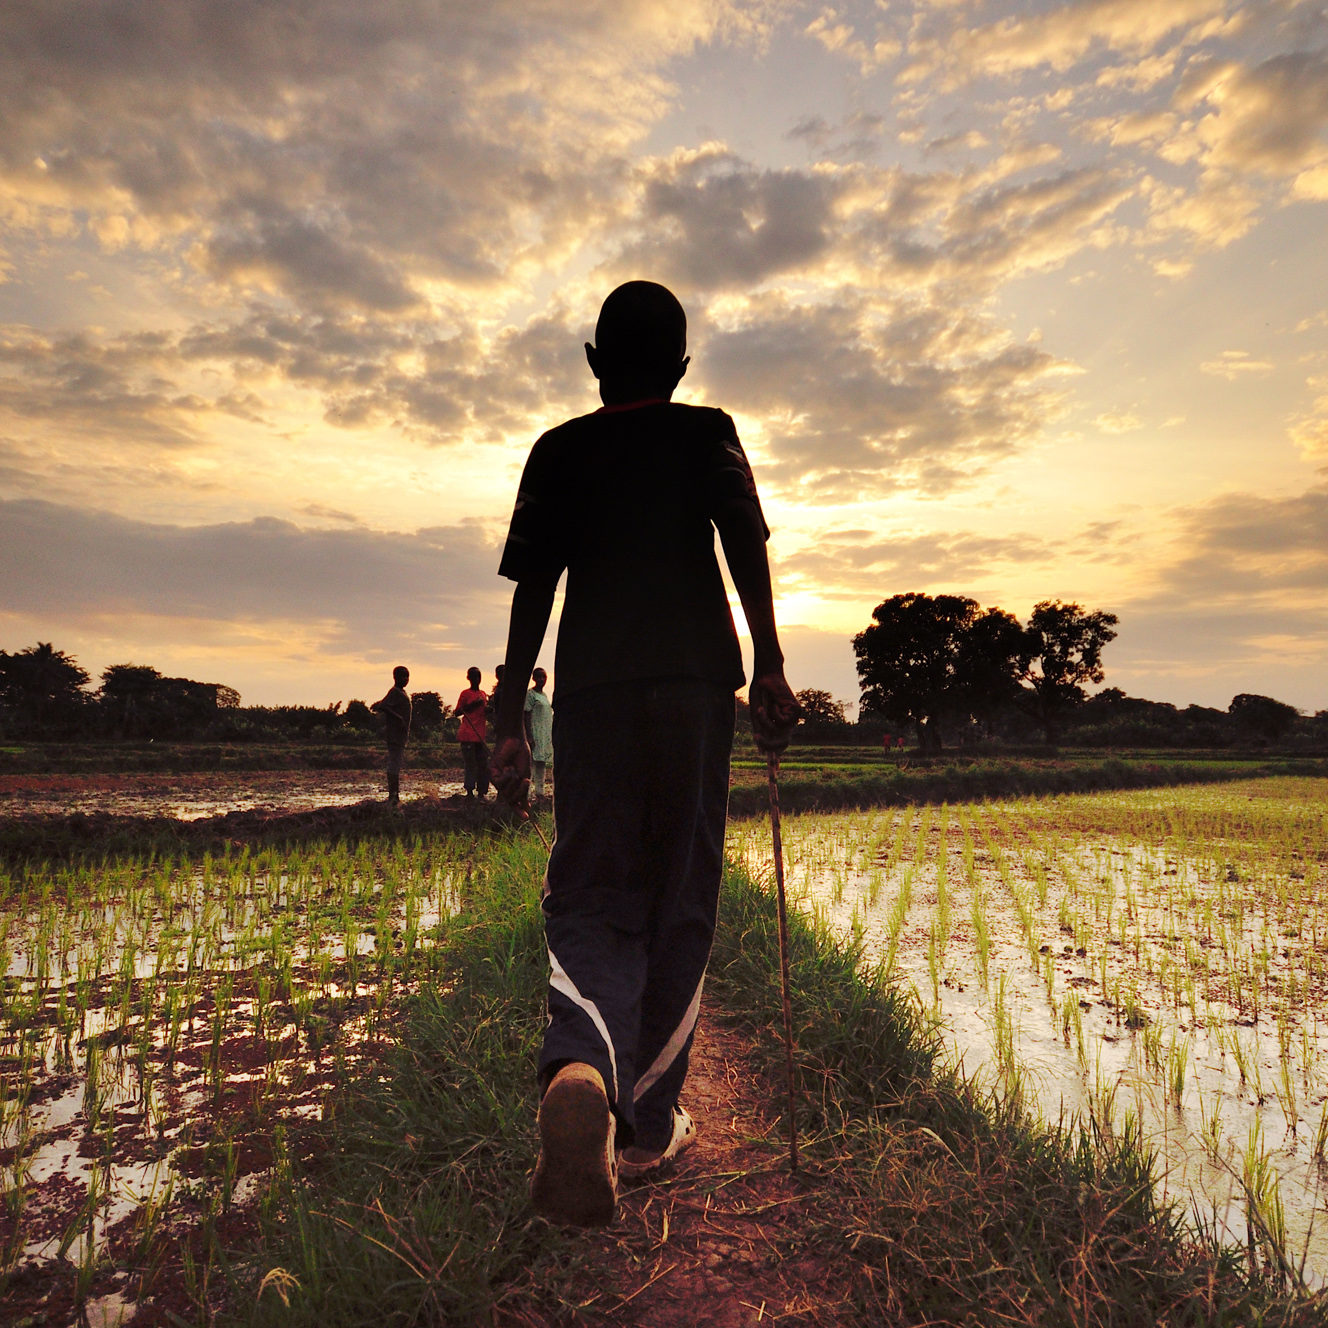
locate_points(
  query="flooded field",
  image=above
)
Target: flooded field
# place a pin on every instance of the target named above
(1154, 958)
(192, 796)
(171, 1027)
(165, 1025)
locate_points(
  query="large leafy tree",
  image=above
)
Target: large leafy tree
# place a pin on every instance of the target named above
(819, 707)
(136, 699)
(128, 697)
(427, 713)
(1063, 651)
(1261, 717)
(931, 660)
(42, 687)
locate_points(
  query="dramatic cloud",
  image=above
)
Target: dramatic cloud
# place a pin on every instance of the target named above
(123, 388)
(1243, 545)
(391, 589)
(860, 400)
(715, 222)
(332, 156)
(1271, 117)
(864, 567)
(1056, 38)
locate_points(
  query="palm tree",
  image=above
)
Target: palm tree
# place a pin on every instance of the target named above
(41, 684)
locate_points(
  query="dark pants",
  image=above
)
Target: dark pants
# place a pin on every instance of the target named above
(475, 762)
(395, 753)
(633, 885)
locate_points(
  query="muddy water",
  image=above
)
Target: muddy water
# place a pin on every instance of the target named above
(191, 796)
(1176, 985)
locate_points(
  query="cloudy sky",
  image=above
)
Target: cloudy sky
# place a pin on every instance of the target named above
(1019, 300)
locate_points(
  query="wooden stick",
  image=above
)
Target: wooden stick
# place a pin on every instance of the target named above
(772, 771)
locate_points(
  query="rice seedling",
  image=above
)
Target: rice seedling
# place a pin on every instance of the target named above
(1263, 1205)
(1210, 1131)
(1319, 1150)
(1176, 1070)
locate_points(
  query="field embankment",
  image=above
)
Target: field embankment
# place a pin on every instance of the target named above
(812, 786)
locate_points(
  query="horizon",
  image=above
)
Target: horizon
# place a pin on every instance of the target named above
(1021, 303)
(852, 705)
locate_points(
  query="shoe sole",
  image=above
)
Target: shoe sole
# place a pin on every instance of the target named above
(575, 1181)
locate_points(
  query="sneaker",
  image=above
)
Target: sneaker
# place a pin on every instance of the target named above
(576, 1179)
(634, 1163)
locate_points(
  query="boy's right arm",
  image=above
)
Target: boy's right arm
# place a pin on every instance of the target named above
(532, 602)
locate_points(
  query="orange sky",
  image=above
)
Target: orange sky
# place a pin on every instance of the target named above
(1022, 302)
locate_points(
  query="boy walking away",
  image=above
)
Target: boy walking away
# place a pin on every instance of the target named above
(471, 706)
(395, 708)
(626, 501)
(538, 720)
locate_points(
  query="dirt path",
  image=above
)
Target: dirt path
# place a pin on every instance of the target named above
(729, 1239)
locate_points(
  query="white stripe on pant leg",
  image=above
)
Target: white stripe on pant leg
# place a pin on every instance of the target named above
(559, 981)
(674, 1045)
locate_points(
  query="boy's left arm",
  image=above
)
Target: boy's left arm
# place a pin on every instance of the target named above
(532, 602)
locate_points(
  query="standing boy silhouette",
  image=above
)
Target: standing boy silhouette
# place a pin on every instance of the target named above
(395, 708)
(626, 501)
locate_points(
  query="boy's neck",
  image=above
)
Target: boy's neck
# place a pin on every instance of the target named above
(630, 391)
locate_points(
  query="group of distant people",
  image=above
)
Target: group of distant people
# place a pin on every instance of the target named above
(475, 709)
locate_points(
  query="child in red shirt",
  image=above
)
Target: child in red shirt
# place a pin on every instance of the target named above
(471, 706)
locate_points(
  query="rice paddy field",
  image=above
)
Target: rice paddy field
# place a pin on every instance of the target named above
(162, 1020)
(1156, 959)
(173, 1026)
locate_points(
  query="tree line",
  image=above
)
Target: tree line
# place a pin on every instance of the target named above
(45, 693)
(938, 670)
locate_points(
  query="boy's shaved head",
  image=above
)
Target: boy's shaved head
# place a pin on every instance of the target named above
(641, 327)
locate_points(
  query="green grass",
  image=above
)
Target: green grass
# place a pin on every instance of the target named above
(418, 1211)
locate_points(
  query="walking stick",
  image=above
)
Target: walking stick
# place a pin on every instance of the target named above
(534, 825)
(772, 770)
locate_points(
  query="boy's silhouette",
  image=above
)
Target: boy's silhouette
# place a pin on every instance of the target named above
(395, 707)
(626, 501)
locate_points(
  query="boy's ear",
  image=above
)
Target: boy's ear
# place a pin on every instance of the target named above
(682, 368)
(592, 359)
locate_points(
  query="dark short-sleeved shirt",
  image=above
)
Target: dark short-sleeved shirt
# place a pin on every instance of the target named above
(624, 500)
(396, 708)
